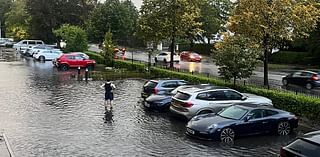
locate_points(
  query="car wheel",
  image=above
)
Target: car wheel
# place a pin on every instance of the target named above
(285, 82)
(64, 67)
(227, 135)
(42, 58)
(309, 86)
(284, 128)
(204, 112)
(90, 67)
(165, 60)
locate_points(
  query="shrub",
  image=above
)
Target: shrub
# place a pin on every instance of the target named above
(290, 57)
(95, 56)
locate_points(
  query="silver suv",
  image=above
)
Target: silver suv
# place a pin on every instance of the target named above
(190, 102)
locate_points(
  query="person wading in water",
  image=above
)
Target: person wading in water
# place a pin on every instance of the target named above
(108, 96)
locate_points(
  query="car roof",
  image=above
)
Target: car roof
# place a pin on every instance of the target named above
(308, 71)
(313, 137)
(165, 80)
(202, 88)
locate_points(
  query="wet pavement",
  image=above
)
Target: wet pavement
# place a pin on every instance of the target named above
(45, 112)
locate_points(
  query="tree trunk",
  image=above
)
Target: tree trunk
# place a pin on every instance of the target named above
(172, 51)
(234, 81)
(209, 41)
(265, 61)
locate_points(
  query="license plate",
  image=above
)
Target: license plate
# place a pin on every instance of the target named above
(144, 95)
(190, 131)
(146, 104)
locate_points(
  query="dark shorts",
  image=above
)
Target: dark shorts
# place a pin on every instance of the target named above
(108, 96)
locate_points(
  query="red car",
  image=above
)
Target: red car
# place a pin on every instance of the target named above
(74, 60)
(190, 56)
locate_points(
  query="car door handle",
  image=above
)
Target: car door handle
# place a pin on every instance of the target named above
(265, 122)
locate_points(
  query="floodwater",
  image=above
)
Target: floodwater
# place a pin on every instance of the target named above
(45, 112)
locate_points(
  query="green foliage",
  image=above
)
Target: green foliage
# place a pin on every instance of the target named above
(95, 56)
(4, 8)
(47, 15)
(118, 17)
(236, 57)
(108, 48)
(75, 37)
(290, 57)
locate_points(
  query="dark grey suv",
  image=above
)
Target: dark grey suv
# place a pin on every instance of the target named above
(160, 86)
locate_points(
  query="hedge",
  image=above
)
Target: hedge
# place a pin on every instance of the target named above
(300, 105)
(95, 56)
(290, 57)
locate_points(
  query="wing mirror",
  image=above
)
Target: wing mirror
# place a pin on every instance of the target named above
(244, 98)
(248, 117)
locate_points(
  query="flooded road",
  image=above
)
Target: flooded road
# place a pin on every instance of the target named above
(45, 112)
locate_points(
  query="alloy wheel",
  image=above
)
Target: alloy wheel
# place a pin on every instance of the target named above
(309, 86)
(227, 135)
(284, 128)
(285, 82)
(64, 67)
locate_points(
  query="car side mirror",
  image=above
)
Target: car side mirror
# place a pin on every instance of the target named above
(247, 118)
(244, 98)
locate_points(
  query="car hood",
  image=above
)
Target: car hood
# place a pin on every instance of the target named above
(155, 98)
(258, 99)
(202, 122)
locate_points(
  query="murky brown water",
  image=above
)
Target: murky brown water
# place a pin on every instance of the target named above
(48, 113)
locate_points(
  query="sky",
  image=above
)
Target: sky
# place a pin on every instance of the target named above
(137, 3)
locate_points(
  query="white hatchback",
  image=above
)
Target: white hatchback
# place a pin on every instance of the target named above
(43, 55)
(165, 57)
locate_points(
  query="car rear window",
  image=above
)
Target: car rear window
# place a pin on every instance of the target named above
(151, 84)
(304, 147)
(182, 96)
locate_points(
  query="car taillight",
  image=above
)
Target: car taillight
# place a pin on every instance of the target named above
(314, 78)
(283, 152)
(187, 104)
(155, 91)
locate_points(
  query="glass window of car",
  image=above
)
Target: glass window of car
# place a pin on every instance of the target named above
(151, 84)
(216, 95)
(31, 42)
(202, 96)
(71, 57)
(233, 112)
(232, 95)
(255, 114)
(296, 74)
(306, 74)
(39, 42)
(170, 84)
(78, 57)
(182, 96)
(304, 147)
(25, 42)
(182, 83)
(267, 113)
(163, 54)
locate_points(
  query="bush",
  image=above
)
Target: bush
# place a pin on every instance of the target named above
(95, 56)
(301, 105)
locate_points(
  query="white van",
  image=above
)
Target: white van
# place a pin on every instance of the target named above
(22, 45)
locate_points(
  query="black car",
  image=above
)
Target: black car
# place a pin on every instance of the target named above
(240, 120)
(307, 145)
(161, 102)
(308, 79)
(160, 86)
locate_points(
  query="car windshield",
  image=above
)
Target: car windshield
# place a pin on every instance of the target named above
(233, 112)
(182, 96)
(305, 148)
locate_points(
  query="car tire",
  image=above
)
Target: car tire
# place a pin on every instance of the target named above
(227, 135)
(42, 58)
(284, 128)
(204, 112)
(90, 67)
(64, 67)
(309, 86)
(285, 82)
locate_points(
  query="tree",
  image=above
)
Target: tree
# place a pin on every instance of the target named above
(268, 22)
(121, 21)
(169, 19)
(75, 37)
(108, 48)
(47, 15)
(214, 15)
(236, 57)
(4, 8)
(18, 20)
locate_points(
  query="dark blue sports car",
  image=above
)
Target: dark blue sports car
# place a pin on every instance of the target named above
(241, 120)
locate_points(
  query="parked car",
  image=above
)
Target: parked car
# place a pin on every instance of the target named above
(73, 60)
(194, 101)
(6, 42)
(44, 55)
(165, 57)
(34, 49)
(160, 86)
(190, 56)
(308, 79)
(22, 45)
(306, 145)
(161, 102)
(241, 120)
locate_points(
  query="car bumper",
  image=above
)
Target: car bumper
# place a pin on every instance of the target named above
(144, 95)
(316, 83)
(202, 135)
(156, 106)
(177, 111)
